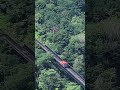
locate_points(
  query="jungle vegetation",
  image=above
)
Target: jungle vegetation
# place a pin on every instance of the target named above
(59, 24)
(17, 21)
(102, 45)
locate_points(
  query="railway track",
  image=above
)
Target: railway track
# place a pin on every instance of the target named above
(23, 51)
(72, 73)
(29, 56)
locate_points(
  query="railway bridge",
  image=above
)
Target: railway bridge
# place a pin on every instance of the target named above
(29, 56)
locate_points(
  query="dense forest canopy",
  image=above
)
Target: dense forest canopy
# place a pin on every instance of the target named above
(16, 20)
(102, 44)
(60, 24)
(97, 10)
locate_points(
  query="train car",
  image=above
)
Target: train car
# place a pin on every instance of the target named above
(64, 63)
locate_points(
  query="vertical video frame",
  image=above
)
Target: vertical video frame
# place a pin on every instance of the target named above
(60, 44)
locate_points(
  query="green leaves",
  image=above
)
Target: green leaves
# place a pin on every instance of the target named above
(60, 26)
(78, 22)
(72, 86)
(79, 64)
(42, 58)
(46, 78)
(106, 79)
(3, 21)
(16, 19)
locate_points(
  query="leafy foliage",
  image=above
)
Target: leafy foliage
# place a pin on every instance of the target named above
(102, 54)
(60, 25)
(17, 20)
